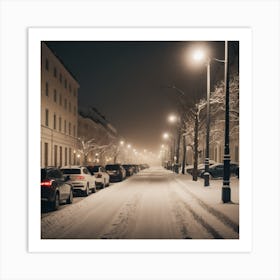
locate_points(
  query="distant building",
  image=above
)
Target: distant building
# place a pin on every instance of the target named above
(92, 125)
(59, 111)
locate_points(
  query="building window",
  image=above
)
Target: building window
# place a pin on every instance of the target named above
(59, 123)
(65, 104)
(54, 121)
(60, 156)
(65, 83)
(74, 130)
(55, 155)
(47, 64)
(65, 126)
(70, 156)
(65, 156)
(60, 99)
(60, 78)
(46, 153)
(54, 96)
(69, 107)
(54, 72)
(47, 89)
(69, 128)
(47, 117)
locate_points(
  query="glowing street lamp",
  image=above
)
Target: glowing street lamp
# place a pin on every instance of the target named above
(172, 118)
(165, 136)
(199, 55)
(176, 120)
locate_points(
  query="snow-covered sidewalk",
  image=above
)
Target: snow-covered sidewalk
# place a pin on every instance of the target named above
(212, 195)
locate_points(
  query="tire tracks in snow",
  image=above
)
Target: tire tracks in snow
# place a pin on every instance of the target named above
(187, 227)
(220, 216)
(121, 227)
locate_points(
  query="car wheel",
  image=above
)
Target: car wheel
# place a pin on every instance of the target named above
(70, 199)
(87, 190)
(56, 202)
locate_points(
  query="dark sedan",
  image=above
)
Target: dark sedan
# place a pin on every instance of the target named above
(116, 172)
(217, 170)
(55, 188)
(129, 169)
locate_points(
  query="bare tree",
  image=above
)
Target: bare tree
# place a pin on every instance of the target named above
(89, 146)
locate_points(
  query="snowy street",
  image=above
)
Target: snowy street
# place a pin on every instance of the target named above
(153, 204)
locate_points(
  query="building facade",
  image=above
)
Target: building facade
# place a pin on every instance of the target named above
(59, 111)
(92, 126)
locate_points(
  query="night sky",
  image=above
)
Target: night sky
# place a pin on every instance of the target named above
(127, 81)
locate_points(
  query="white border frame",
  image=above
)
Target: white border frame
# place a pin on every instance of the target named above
(243, 35)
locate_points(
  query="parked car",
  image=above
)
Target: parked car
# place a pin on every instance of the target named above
(200, 167)
(102, 178)
(116, 172)
(136, 168)
(217, 170)
(144, 166)
(80, 178)
(55, 188)
(129, 169)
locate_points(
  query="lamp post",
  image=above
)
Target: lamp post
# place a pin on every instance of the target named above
(166, 136)
(181, 126)
(226, 191)
(177, 120)
(199, 55)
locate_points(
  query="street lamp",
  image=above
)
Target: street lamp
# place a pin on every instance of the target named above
(172, 118)
(182, 125)
(199, 56)
(176, 120)
(226, 192)
(165, 136)
(169, 137)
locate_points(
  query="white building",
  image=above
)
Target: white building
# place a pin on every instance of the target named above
(59, 111)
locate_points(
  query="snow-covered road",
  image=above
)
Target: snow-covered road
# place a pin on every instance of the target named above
(153, 204)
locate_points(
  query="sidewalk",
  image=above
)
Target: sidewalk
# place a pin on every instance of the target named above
(212, 194)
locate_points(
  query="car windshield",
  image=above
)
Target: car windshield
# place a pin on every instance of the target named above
(43, 174)
(94, 169)
(71, 171)
(112, 167)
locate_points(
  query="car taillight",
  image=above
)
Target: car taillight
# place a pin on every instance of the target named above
(80, 177)
(47, 183)
(99, 175)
